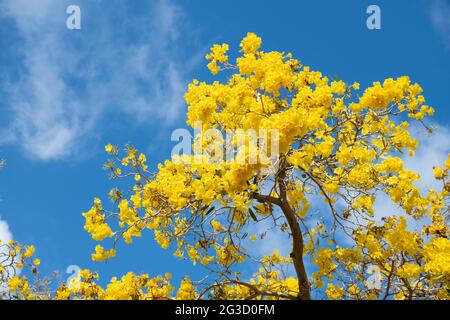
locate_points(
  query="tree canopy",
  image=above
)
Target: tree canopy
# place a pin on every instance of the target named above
(310, 156)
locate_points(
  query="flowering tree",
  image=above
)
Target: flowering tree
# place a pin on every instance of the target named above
(335, 150)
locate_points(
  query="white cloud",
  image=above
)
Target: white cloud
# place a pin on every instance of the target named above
(440, 17)
(274, 239)
(69, 81)
(432, 151)
(5, 236)
(5, 233)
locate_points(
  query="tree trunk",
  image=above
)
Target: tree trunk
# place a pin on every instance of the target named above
(297, 237)
(297, 251)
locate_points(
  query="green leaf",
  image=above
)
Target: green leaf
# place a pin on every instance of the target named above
(209, 210)
(252, 214)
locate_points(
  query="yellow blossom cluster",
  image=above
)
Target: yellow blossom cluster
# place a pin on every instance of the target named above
(333, 142)
(14, 257)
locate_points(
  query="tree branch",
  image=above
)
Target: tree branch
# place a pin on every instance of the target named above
(297, 237)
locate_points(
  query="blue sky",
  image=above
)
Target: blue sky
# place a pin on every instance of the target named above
(65, 93)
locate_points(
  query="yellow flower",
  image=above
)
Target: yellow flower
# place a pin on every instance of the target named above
(335, 292)
(437, 255)
(142, 158)
(29, 252)
(409, 270)
(101, 254)
(447, 163)
(14, 283)
(217, 55)
(251, 43)
(186, 290)
(217, 226)
(331, 187)
(439, 173)
(109, 148)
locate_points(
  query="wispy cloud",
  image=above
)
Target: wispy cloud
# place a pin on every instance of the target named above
(440, 17)
(70, 79)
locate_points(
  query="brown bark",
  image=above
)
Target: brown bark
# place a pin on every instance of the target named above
(297, 237)
(297, 251)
